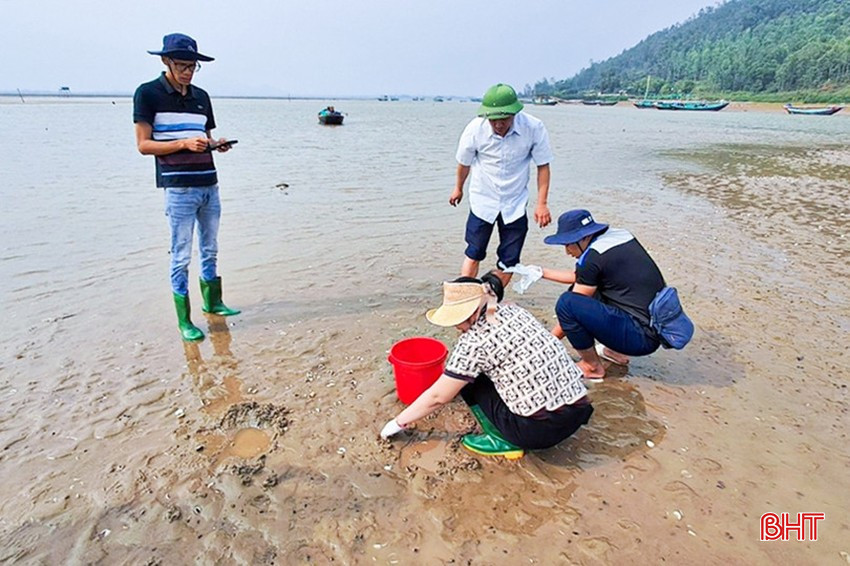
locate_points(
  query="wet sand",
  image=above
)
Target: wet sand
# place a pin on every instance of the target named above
(259, 445)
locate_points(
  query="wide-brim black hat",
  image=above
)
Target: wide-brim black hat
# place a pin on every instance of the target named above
(182, 47)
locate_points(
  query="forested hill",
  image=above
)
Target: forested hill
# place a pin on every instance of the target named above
(754, 46)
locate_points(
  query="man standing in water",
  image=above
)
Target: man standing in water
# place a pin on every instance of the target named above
(174, 120)
(497, 148)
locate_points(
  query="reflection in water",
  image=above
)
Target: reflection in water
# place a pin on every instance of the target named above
(216, 381)
(245, 429)
(219, 389)
(219, 335)
(194, 362)
(618, 428)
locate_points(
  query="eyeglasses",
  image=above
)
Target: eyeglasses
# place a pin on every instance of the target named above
(183, 67)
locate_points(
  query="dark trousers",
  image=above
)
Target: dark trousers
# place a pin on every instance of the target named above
(585, 319)
(525, 432)
(511, 239)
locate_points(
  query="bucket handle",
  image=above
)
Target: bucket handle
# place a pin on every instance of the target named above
(391, 359)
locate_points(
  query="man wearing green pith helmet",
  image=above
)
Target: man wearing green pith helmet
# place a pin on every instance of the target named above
(495, 150)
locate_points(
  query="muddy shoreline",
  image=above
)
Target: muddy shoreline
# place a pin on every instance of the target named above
(260, 445)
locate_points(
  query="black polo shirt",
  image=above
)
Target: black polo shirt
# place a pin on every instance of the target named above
(173, 116)
(622, 272)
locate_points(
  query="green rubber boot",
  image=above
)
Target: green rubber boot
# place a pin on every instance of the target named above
(211, 291)
(491, 442)
(491, 445)
(189, 331)
(483, 421)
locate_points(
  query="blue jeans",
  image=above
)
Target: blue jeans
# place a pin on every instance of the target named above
(585, 319)
(184, 206)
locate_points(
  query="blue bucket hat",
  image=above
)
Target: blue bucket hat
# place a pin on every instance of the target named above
(182, 47)
(574, 225)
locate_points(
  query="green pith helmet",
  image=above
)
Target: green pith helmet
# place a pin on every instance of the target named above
(500, 101)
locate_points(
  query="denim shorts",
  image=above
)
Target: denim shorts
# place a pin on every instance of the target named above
(511, 239)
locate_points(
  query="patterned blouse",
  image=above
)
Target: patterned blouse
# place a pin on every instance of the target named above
(529, 367)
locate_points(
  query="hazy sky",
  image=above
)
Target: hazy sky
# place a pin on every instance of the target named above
(323, 47)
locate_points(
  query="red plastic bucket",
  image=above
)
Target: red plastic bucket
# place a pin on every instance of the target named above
(417, 363)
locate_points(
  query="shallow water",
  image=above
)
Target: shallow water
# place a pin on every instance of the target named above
(122, 444)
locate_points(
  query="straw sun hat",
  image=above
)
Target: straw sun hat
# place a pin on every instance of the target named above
(459, 303)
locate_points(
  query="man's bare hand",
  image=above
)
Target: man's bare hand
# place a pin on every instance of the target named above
(542, 216)
(198, 145)
(457, 196)
(221, 145)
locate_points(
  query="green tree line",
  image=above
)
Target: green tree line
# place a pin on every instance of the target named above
(755, 47)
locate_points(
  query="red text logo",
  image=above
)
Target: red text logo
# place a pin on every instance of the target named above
(779, 527)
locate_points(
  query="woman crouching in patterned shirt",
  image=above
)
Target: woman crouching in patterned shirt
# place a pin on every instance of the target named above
(518, 380)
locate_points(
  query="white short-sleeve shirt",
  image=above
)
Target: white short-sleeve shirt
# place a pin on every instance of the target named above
(499, 172)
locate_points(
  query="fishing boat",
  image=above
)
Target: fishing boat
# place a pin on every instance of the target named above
(646, 102)
(692, 105)
(599, 102)
(813, 110)
(543, 100)
(330, 117)
(702, 105)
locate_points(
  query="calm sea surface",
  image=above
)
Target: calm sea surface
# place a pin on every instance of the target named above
(333, 242)
(83, 231)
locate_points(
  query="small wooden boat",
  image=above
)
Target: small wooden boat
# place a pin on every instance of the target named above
(691, 105)
(330, 117)
(599, 102)
(813, 110)
(644, 103)
(665, 105)
(543, 100)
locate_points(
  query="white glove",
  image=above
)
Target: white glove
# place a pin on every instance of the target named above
(529, 274)
(391, 429)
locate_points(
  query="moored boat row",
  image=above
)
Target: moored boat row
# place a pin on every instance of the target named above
(697, 105)
(544, 100)
(721, 104)
(329, 116)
